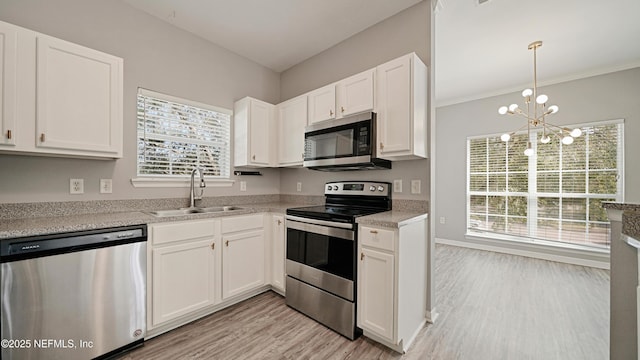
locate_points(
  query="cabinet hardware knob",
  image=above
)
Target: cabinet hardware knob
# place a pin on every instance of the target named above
(373, 231)
(330, 112)
(42, 137)
(253, 157)
(381, 146)
(226, 243)
(8, 134)
(279, 222)
(361, 256)
(342, 108)
(213, 246)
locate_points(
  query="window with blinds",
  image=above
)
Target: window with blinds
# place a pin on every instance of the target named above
(554, 195)
(176, 135)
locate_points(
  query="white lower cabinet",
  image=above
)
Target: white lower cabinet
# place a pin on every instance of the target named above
(242, 262)
(392, 283)
(196, 267)
(183, 269)
(278, 253)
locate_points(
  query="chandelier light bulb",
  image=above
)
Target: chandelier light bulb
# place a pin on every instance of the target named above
(553, 109)
(503, 110)
(527, 92)
(567, 140)
(513, 107)
(541, 99)
(505, 137)
(545, 139)
(528, 151)
(576, 132)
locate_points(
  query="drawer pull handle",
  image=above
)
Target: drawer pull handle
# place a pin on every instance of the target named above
(361, 256)
(279, 222)
(9, 134)
(342, 108)
(226, 243)
(42, 137)
(253, 157)
(213, 246)
(373, 231)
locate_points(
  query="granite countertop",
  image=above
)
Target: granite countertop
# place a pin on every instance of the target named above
(12, 228)
(630, 221)
(88, 217)
(392, 219)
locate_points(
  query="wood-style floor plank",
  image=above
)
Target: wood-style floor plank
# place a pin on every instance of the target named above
(491, 306)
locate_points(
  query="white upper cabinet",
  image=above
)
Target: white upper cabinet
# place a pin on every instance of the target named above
(355, 94)
(322, 104)
(79, 98)
(401, 106)
(58, 98)
(253, 133)
(8, 59)
(292, 119)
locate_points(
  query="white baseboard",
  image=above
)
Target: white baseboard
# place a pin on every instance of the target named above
(431, 316)
(525, 250)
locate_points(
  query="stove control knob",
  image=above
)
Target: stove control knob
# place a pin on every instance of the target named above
(381, 188)
(328, 187)
(335, 187)
(372, 188)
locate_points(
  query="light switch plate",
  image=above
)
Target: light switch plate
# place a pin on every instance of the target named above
(299, 186)
(397, 185)
(415, 186)
(106, 186)
(243, 186)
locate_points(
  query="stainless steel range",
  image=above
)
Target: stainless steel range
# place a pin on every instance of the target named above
(321, 252)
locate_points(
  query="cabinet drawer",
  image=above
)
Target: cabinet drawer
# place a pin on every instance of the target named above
(241, 223)
(377, 238)
(184, 230)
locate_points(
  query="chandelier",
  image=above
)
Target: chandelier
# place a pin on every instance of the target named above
(537, 112)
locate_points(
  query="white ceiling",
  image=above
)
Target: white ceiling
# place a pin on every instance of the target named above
(274, 33)
(481, 50)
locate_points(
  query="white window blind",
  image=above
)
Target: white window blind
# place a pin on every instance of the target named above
(176, 135)
(554, 195)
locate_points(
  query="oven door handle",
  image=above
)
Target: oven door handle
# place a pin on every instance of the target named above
(320, 222)
(346, 234)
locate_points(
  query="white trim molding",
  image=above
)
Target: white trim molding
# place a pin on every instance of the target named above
(595, 259)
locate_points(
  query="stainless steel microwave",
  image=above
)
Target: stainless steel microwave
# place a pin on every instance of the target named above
(343, 144)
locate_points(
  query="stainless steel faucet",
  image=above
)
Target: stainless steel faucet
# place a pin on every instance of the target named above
(203, 184)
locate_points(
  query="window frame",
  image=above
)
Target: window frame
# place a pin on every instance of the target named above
(165, 181)
(533, 194)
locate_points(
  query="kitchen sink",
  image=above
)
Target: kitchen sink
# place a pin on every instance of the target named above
(196, 210)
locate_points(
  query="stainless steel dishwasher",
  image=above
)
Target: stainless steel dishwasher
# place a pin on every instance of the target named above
(77, 295)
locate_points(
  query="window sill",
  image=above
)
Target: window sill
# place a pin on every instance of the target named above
(470, 235)
(177, 183)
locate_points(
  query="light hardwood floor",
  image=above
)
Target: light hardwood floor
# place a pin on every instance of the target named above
(491, 306)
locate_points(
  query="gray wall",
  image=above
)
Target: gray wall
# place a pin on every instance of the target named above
(604, 97)
(157, 56)
(407, 31)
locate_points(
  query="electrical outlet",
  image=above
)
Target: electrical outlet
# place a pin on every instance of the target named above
(397, 185)
(76, 186)
(106, 186)
(415, 186)
(299, 186)
(442, 220)
(243, 186)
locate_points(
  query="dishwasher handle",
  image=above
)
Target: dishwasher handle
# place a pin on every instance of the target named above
(61, 243)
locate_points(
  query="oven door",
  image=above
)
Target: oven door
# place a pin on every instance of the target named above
(322, 256)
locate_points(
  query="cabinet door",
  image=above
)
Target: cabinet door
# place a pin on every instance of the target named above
(292, 119)
(278, 255)
(355, 94)
(8, 90)
(260, 122)
(394, 107)
(79, 99)
(242, 262)
(183, 279)
(322, 104)
(376, 276)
